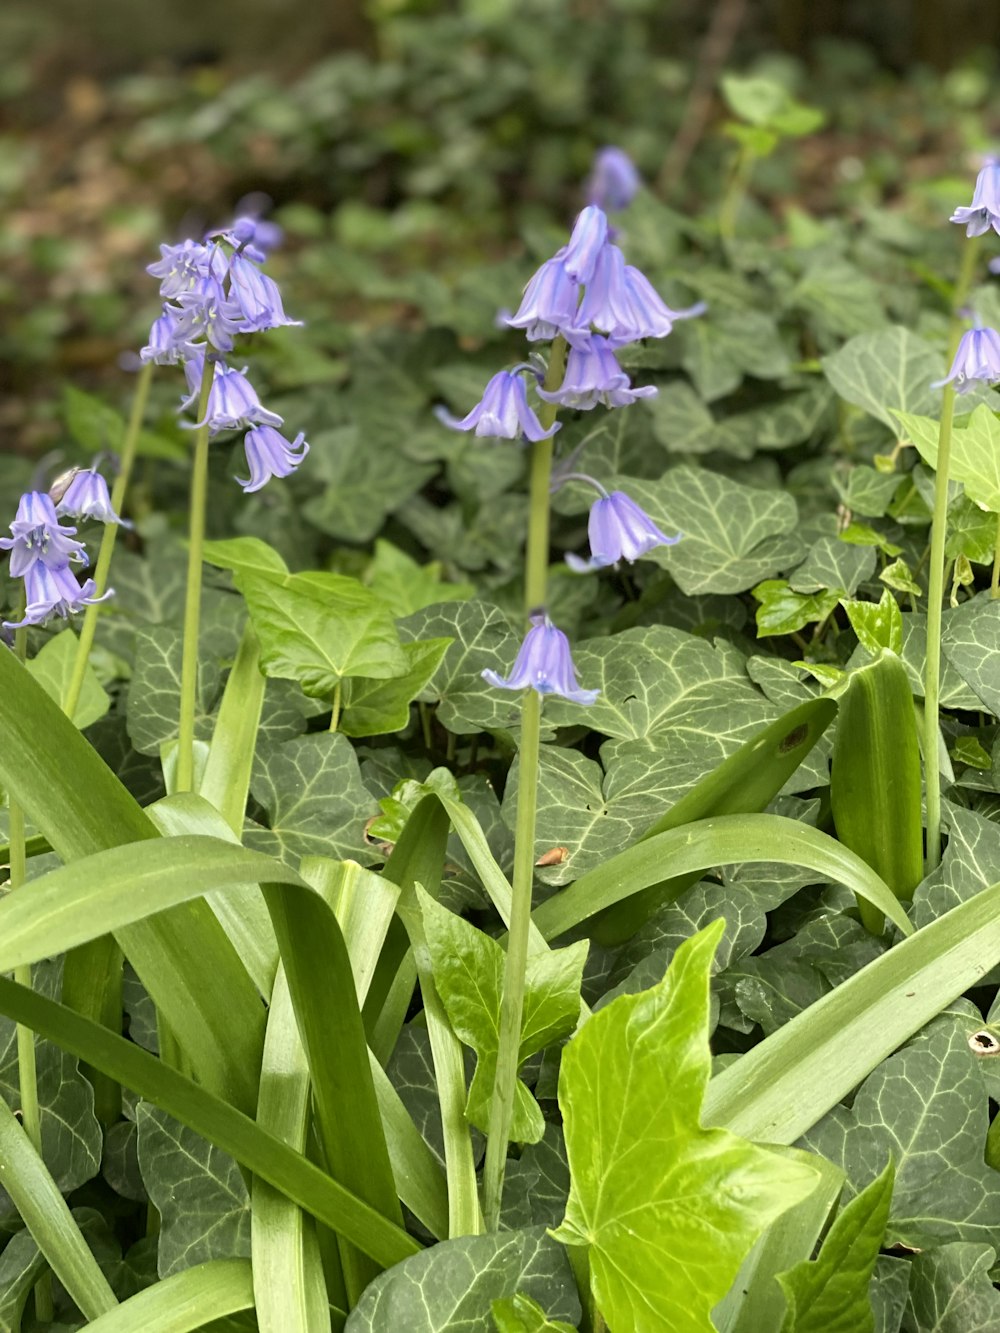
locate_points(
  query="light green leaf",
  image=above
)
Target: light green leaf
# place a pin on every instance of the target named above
(783, 611)
(319, 628)
(886, 370)
(927, 1108)
(407, 587)
(376, 707)
(246, 555)
(752, 97)
(198, 1298)
(451, 1287)
(468, 971)
(878, 624)
(52, 666)
(975, 452)
(197, 1190)
(667, 1209)
(830, 1294)
(951, 1290)
(520, 1314)
(868, 491)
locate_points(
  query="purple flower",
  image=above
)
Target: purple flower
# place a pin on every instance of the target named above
(53, 592)
(207, 312)
(256, 296)
(594, 376)
(87, 496)
(613, 181)
(503, 411)
(181, 266)
(549, 305)
(39, 538)
(232, 399)
(984, 211)
(251, 236)
(618, 530)
(165, 348)
(269, 455)
(621, 302)
(977, 358)
(590, 234)
(544, 664)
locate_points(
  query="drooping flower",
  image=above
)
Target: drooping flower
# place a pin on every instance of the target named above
(619, 529)
(53, 591)
(614, 180)
(39, 538)
(977, 359)
(165, 348)
(984, 211)
(503, 411)
(269, 455)
(252, 236)
(180, 266)
(232, 399)
(256, 296)
(594, 376)
(86, 496)
(590, 234)
(549, 305)
(208, 311)
(621, 301)
(544, 664)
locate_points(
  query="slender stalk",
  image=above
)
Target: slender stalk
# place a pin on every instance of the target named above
(935, 591)
(335, 715)
(995, 580)
(735, 193)
(103, 566)
(192, 602)
(512, 1003)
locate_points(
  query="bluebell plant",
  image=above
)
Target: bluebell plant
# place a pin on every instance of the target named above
(543, 664)
(976, 360)
(984, 211)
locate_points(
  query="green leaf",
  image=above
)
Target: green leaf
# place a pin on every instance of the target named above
(93, 425)
(155, 689)
(355, 490)
(830, 1294)
(407, 587)
(520, 1314)
(886, 371)
(927, 1108)
(244, 555)
(319, 628)
(878, 624)
(52, 666)
(975, 452)
(720, 350)
(191, 1300)
(951, 1290)
(783, 611)
(970, 642)
(468, 973)
(842, 300)
(752, 97)
(451, 1287)
(646, 1179)
(376, 707)
(834, 563)
(197, 1190)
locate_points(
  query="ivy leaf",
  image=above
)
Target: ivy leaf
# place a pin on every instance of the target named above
(830, 1294)
(927, 1109)
(451, 1287)
(355, 490)
(468, 971)
(885, 371)
(376, 707)
(878, 624)
(970, 642)
(648, 1183)
(951, 1290)
(537, 1183)
(833, 563)
(197, 1190)
(319, 628)
(783, 611)
(405, 586)
(52, 666)
(975, 452)
(245, 555)
(520, 1314)
(842, 300)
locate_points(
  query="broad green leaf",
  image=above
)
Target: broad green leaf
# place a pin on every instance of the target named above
(194, 1299)
(451, 1287)
(648, 1184)
(951, 1290)
(733, 535)
(783, 611)
(970, 641)
(975, 452)
(868, 491)
(885, 371)
(244, 555)
(753, 97)
(926, 1107)
(93, 425)
(376, 707)
(52, 666)
(21, 1265)
(794, 418)
(830, 1293)
(319, 628)
(197, 1190)
(971, 861)
(520, 1314)
(878, 624)
(889, 1291)
(355, 489)
(536, 1186)
(955, 693)
(406, 586)
(719, 350)
(833, 563)
(468, 973)
(841, 300)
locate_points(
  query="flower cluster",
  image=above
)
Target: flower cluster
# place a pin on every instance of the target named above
(214, 290)
(43, 550)
(977, 357)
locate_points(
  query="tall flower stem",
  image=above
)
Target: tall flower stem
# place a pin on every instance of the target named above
(512, 1002)
(184, 780)
(935, 592)
(103, 566)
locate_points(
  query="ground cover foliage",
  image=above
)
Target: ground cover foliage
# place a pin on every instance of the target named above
(269, 1008)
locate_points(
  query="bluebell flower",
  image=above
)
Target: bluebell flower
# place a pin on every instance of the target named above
(232, 399)
(180, 266)
(621, 302)
(503, 411)
(614, 180)
(252, 236)
(590, 234)
(544, 664)
(86, 496)
(619, 530)
(977, 358)
(269, 455)
(165, 348)
(53, 592)
(594, 376)
(256, 296)
(206, 311)
(549, 305)
(39, 538)
(984, 211)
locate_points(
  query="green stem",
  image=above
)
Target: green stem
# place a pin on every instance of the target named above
(512, 1003)
(995, 580)
(335, 714)
(935, 591)
(126, 462)
(192, 602)
(735, 193)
